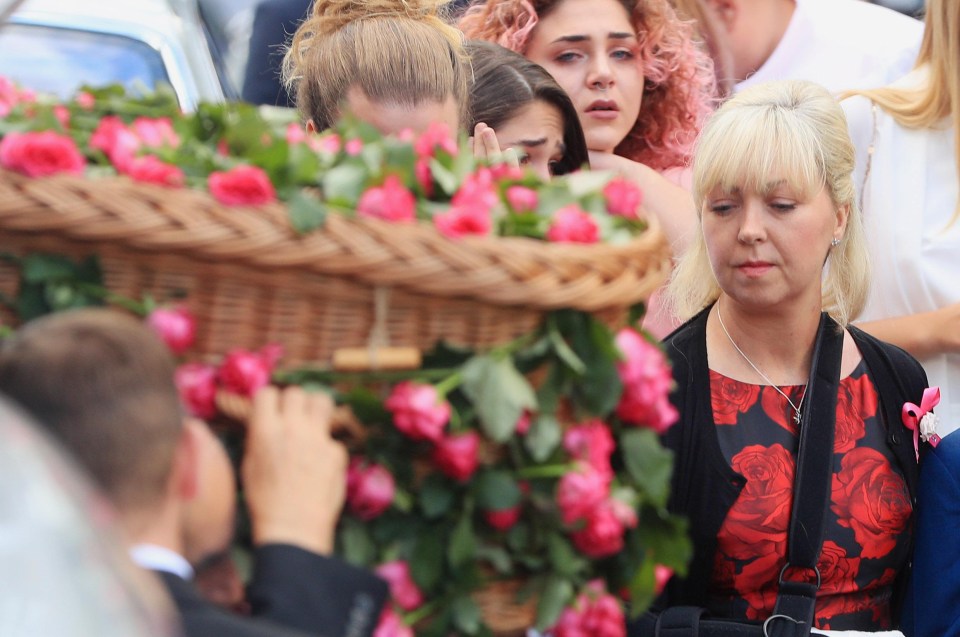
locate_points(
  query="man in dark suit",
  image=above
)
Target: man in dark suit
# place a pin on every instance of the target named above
(102, 383)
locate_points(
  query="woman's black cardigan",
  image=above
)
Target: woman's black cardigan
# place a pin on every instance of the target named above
(705, 487)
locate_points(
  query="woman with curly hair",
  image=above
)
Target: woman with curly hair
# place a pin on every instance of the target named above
(640, 85)
(392, 63)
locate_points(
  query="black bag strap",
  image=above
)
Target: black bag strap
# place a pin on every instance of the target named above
(794, 610)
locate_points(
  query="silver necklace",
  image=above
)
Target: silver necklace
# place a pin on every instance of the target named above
(796, 408)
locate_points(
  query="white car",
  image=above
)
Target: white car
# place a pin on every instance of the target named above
(55, 46)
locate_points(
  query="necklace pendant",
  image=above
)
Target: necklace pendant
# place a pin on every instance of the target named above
(796, 416)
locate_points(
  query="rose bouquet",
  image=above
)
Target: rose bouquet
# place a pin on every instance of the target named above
(533, 467)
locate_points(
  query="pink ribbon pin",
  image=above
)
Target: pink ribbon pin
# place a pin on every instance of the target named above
(913, 415)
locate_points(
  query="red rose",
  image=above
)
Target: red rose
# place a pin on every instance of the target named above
(777, 407)
(757, 584)
(504, 519)
(244, 372)
(857, 402)
(595, 613)
(836, 569)
(370, 489)
(175, 325)
(602, 536)
(464, 220)
(872, 499)
(149, 169)
(197, 384)
(390, 202)
(756, 525)
(41, 154)
(241, 186)
(730, 398)
(571, 224)
(457, 456)
(523, 423)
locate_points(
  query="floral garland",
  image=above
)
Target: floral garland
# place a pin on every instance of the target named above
(537, 462)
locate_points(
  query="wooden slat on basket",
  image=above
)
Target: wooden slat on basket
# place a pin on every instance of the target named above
(250, 279)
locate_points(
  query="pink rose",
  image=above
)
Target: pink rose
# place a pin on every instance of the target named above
(462, 221)
(504, 519)
(62, 113)
(522, 199)
(417, 410)
(403, 589)
(329, 143)
(424, 176)
(41, 154)
(437, 136)
(155, 132)
(241, 186)
(661, 575)
(646, 383)
(523, 423)
(85, 100)
(506, 172)
(476, 192)
(602, 535)
(149, 169)
(595, 613)
(571, 224)
(175, 325)
(580, 492)
(197, 384)
(623, 198)
(457, 456)
(353, 147)
(391, 625)
(391, 202)
(593, 443)
(117, 142)
(370, 489)
(244, 372)
(296, 134)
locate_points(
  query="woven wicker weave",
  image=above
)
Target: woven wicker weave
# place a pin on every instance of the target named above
(250, 279)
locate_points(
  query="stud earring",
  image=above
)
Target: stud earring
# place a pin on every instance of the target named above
(835, 242)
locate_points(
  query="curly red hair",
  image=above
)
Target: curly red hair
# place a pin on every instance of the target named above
(679, 89)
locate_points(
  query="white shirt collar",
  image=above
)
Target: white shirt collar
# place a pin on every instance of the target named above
(158, 558)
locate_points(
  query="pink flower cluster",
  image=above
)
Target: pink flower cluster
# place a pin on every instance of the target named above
(571, 224)
(175, 325)
(471, 208)
(583, 495)
(646, 383)
(242, 372)
(41, 154)
(623, 198)
(11, 95)
(418, 412)
(391, 202)
(121, 144)
(595, 613)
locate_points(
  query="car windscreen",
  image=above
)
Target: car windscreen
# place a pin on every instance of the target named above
(58, 61)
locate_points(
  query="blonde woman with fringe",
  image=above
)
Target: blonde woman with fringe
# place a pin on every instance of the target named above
(395, 64)
(780, 247)
(908, 160)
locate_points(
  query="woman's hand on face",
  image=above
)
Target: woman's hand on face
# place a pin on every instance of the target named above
(669, 203)
(486, 146)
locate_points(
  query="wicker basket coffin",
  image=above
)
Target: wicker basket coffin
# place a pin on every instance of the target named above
(250, 279)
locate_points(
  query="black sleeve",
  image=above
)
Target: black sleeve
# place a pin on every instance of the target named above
(319, 595)
(274, 23)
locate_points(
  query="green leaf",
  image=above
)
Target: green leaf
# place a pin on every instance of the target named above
(356, 545)
(557, 593)
(463, 545)
(436, 497)
(445, 178)
(426, 563)
(665, 537)
(344, 184)
(497, 490)
(498, 557)
(648, 463)
(544, 437)
(466, 614)
(600, 388)
(584, 182)
(306, 211)
(563, 350)
(40, 268)
(563, 558)
(500, 394)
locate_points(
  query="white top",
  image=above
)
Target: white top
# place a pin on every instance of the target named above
(842, 44)
(909, 198)
(158, 558)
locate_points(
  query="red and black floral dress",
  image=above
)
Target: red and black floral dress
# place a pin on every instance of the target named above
(867, 538)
